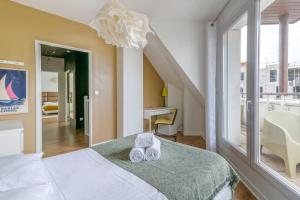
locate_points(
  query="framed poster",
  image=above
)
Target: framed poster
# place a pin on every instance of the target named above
(13, 91)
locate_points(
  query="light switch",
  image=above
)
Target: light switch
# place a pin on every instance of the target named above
(97, 92)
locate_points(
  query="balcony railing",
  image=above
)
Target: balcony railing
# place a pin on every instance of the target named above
(295, 95)
(273, 101)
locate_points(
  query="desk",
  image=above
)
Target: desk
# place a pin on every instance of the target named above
(149, 112)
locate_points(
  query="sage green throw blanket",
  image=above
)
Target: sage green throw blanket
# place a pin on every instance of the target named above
(182, 173)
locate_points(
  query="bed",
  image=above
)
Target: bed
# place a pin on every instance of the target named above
(49, 103)
(104, 172)
(50, 108)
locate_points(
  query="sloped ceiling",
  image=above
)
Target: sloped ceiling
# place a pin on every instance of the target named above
(83, 11)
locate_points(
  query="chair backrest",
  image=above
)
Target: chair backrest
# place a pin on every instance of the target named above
(287, 120)
(174, 114)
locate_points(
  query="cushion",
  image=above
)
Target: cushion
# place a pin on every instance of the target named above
(163, 121)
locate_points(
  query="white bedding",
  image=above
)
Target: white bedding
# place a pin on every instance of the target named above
(86, 175)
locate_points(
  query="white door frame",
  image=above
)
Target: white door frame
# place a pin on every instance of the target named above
(38, 90)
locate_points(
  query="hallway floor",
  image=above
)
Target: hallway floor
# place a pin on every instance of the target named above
(60, 138)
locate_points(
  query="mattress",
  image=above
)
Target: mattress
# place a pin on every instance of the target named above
(86, 175)
(50, 108)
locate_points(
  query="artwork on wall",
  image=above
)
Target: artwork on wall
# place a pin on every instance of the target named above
(13, 91)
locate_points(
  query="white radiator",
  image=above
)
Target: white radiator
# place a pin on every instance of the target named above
(11, 137)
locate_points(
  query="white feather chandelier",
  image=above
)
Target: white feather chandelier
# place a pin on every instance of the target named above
(121, 27)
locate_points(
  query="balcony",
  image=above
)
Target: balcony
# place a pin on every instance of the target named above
(288, 102)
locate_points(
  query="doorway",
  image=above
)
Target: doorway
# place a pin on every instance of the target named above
(63, 96)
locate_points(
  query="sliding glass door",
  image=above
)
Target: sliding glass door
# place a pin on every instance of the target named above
(260, 89)
(278, 98)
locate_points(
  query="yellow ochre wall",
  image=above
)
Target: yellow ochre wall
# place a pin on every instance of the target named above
(153, 86)
(20, 26)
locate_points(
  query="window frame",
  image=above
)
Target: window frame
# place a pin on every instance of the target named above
(281, 183)
(273, 77)
(243, 155)
(250, 162)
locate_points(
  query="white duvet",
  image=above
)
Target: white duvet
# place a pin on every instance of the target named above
(86, 175)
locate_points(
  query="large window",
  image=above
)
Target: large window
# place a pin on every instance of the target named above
(259, 92)
(279, 104)
(242, 76)
(294, 74)
(273, 75)
(235, 58)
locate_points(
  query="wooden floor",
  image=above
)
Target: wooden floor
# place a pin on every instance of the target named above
(59, 138)
(241, 192)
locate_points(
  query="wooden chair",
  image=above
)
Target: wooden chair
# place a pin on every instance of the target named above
(168, 120)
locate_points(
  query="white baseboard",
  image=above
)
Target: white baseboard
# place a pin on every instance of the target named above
(193, 133)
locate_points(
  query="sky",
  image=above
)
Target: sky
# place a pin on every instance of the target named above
(269, 43)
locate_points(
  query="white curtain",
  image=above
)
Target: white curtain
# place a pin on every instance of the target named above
(210, 105)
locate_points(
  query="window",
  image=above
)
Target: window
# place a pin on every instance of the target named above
(249, 126)
(273, 75)
(278, 127)
(294, 74)
(277, 92)
(235, 63)
(242, 76)
(261, 90)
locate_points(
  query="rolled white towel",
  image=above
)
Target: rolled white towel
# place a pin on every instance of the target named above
(153, 152)
(143, 140)
(137, 154)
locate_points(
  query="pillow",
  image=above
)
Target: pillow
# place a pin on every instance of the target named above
(51, 103)
(22, 171)
(38, 192)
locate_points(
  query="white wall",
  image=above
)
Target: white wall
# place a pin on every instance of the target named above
(129, 91)
(160, 58)
(193, 115)
(49, 81)
(186, 42)
(175, 99)
(182, 44)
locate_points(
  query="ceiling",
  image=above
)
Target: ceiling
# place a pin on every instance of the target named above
(56, 52)
(280, 7)
(84, 11)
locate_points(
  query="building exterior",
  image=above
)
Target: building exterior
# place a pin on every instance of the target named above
(269, 79)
